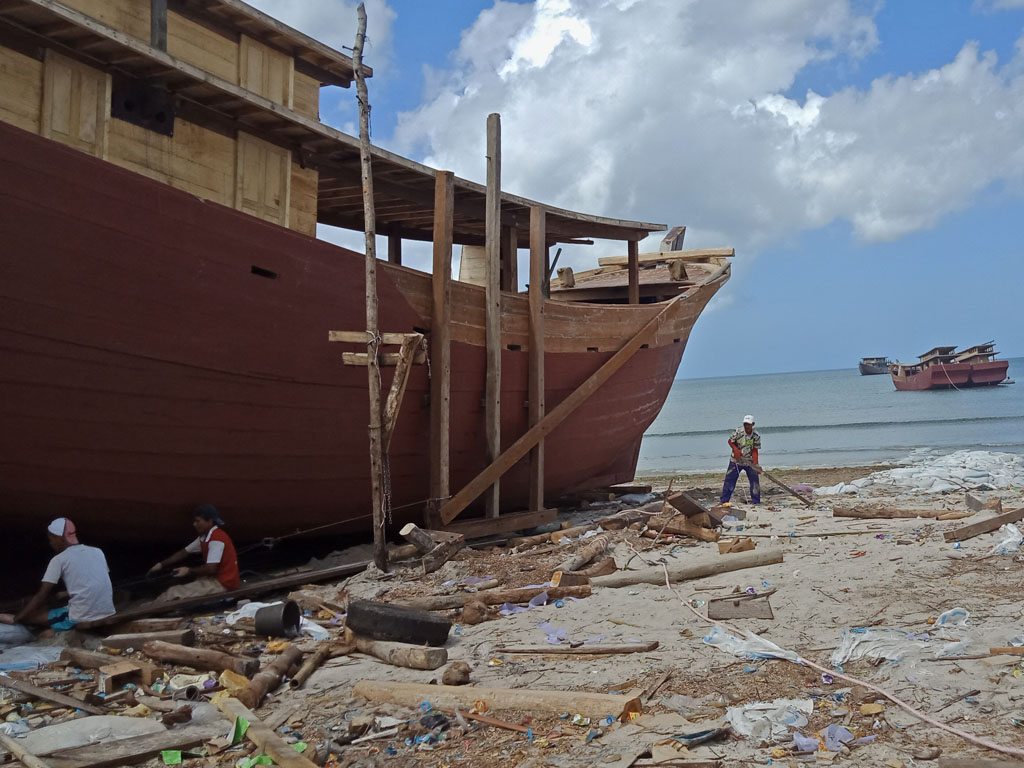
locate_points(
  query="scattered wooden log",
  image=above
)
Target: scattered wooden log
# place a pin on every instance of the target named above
(417, 537)
(310, 665)
(582, 650)
(680, 526)
(1006, 651)
(267, 679)
(400, 623)
(132, 750)
(51, 696)
(488, 720)
(19, 751)
(462, 697)
(578, 530)
(579, 578)
(138, 639)
(263, 737)
(496, 597)
(685, 503)
(200, 658)
(593, 548)
(448, 545)
(94, 660)
(402, 654)
(687, 572)
(146, 625)
(867, 513)
(624, 519)
(954, 515)
(984, 526)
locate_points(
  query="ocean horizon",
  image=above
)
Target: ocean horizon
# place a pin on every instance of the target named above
(828, 418)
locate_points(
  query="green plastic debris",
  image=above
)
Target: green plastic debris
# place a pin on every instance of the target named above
(171, 756)
(241, 726)
(249, 762)
(299, 746)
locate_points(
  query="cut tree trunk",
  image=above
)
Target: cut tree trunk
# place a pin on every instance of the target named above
(678, 573)
(200, 658)
(497, 597)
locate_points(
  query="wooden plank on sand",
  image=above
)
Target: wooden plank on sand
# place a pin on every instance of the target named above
(984, 526)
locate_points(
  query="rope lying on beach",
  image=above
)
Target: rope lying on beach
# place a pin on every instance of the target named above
(891, 697)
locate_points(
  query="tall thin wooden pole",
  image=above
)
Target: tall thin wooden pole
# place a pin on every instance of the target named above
(633, 260)
(440, 346)
(538, 266)
(380, 548)
(492, 305)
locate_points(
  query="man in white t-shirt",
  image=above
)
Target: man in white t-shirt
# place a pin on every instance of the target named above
(86, 578)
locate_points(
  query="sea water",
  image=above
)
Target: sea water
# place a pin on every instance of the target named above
(829, 419)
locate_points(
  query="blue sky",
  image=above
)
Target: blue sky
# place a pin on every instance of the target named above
(865, 159)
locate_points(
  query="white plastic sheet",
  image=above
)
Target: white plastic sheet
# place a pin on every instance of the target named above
(770, 721)
(933, 473)
(307, 627)
(1008, 541)
(751, 647)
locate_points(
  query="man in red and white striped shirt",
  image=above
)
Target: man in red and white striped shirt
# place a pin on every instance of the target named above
(219, 570)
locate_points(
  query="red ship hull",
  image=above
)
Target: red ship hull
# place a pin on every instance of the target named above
(148, 366)
(953, 376)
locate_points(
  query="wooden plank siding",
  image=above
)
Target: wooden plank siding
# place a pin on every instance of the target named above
(76, 104)
(265, 71)
(21, 89)
(202, 46)
(306, 96)
(128, 16)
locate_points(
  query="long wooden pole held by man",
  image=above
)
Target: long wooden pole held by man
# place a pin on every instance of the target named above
(380, 549)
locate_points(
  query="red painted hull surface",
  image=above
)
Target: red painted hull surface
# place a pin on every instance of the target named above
(954, 375)
(146, 368)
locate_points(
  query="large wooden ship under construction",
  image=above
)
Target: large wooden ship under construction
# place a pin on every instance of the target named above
(165, 305)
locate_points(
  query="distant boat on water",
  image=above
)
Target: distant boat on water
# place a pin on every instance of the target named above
(872, 366)
(944, 368)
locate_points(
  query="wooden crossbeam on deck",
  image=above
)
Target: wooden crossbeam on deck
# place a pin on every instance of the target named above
(656, 256)
(384, 358)
(545, 426)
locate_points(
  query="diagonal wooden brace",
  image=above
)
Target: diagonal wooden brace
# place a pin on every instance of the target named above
(554, 417)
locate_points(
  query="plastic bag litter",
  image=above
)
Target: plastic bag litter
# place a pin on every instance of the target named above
(890, 644)
(307, 627)
(769, 721)
(29, 656)
(555, 635)
(835, 736)
(14, 634)
(753, 647)
(1009, 541)
(805, 743)
(954, 617)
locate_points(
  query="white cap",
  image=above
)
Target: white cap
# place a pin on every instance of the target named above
(57, 526)
(748, 419)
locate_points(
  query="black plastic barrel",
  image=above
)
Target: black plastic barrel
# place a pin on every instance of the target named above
(278, 620)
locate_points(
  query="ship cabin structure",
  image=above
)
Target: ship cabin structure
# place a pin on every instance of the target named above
(980, 353)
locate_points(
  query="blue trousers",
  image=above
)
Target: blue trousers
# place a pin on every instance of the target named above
(733, 474)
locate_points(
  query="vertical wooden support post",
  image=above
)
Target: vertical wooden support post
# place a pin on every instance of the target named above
(538, 271)
(634, 272)
(380, 545)
(509, 259)
(158, 24)
(440, 346)
(395, 249)
(492, 305)
(547, 270)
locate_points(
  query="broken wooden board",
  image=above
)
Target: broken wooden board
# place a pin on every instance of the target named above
(984, 526)
(510, 521)
(873, 513)
(138, 639)
(686, 504)
(733, 546)
(259, 734)
(46, 694)
(681, 526)
(593, 705)
(94, 660)
(116, 675)
(741, 606)
(131, 750)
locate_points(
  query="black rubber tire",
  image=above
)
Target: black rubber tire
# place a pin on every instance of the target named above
(382, 621)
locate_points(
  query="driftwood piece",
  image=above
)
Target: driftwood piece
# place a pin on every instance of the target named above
(593, 705)
(495, 597)
(864, 513)
(418, 537)
(624, 519)
(200, 658)
(46, 694)
(138, 639)
(94, 660)
(579, 578)
(583, 650)
(687, 572)
(985, 526)
(402, 654)
(19, 751)
(263, 737)
(267, 679)
(578, 530)
(595, 547)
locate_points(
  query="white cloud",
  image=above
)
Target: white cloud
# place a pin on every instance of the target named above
(676, 111)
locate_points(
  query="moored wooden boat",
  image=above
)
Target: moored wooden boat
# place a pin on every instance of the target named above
(944, 368)
(164, 309)
(872, 366)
